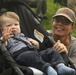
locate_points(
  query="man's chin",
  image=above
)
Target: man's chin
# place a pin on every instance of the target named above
(59, 34)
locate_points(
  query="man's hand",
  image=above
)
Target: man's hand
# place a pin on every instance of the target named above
(60, 47)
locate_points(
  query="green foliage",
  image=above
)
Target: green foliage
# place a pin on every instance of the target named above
(51, 9)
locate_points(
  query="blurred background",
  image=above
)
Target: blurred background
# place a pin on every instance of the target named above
(51, 9)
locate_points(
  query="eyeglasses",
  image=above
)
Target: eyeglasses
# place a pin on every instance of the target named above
(63, 20)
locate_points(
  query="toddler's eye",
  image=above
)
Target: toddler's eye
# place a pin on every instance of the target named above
(16, 24)
(8, 25)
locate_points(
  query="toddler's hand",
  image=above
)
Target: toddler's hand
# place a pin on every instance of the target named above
(34, 42)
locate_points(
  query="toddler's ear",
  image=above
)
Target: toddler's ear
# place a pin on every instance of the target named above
(0, 33)
(1, 29)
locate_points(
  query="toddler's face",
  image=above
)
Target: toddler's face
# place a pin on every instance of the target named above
(12, 25)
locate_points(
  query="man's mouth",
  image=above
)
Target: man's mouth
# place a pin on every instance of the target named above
(59, 29)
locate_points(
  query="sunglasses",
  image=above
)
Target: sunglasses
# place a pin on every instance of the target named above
(62, 20)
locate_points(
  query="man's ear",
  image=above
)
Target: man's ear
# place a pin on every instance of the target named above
(73, 26)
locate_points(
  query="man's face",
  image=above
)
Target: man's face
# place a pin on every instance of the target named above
(62, 26)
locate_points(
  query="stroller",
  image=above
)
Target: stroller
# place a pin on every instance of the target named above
(29, 23)
(31, 27)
